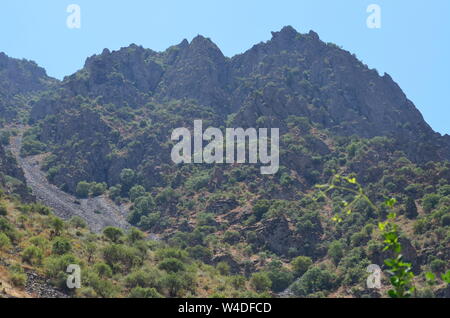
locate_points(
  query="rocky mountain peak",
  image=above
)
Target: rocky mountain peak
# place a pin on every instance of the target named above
(286, 33)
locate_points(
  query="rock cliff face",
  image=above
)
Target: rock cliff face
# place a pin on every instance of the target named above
(12, 179)
(291, 74)
(19, 80)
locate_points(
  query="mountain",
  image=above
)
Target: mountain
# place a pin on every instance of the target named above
(19, 81)
(105, 131)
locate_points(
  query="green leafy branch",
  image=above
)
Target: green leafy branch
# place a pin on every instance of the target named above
(401, 275)
(345, 184)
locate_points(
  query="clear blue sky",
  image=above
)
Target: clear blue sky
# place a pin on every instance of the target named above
(413, 44)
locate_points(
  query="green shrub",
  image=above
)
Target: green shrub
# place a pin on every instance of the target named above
(300, 265)
(144, 278)
(411, 208)
(102, 287)
(430, 201)
(238, 281)
(97, 189)
(136, 192)
(176, 283)
(83, 189)
(18, 279)
(61, 246)
(171, 265)
(121, 258)
(113, 233)
(197, 182)
(231, 237)
(336, 251)
(139, 292)
(260, 282)
(280, 278)
(32, 255)
(5, 242)
(313, 281)
(200, 252)
(57, 224)
(165, 196)
(78, 222)
(41, 209)
(260, 208)
(103, 270)
(223, 268)
(438, 265)
(127, 178)
(3, 209)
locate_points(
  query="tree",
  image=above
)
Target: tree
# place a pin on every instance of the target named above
(61, 246)
(314, 280)
(142, 206)
(280, 278)
(91, 248)
(57, 224)
(411, 208)
(171, 265)
(136, 192)
(260, 282)
(78, 222)
(147, 277)
(430, 201)
(336, 251)
(115, 192)
(260, 208)
(103, 270)
(135, 235)
(127, 178)
(120, 257)
(113, 234)
(97, 189)
(300, 265)
(82, 190)
(173, 283)
(32, 255)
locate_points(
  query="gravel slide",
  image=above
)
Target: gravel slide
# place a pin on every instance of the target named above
(98, 212)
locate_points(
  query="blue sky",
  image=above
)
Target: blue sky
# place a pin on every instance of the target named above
(413, 44)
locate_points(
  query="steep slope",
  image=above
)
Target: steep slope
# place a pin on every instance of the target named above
(297, 74)
(292, 74)
(19, 80)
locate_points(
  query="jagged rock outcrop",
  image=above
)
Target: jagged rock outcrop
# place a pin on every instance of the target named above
(12, 179)
(292, 74)
(19, 80)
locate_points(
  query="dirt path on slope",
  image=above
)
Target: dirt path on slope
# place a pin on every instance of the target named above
(98, 212)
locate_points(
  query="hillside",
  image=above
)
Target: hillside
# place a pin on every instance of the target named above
(105, 132)
(20, 81)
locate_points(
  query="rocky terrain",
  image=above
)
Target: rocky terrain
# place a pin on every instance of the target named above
(103, 134)
(19, 81)
(98, 212)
